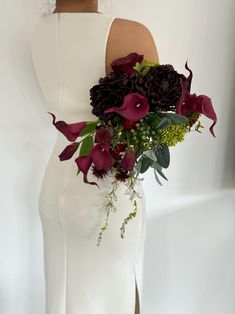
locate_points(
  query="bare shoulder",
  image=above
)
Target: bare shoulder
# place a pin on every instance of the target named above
(128, 36)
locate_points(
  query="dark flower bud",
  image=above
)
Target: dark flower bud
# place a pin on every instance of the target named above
(69, 151)
(128, 160)
(117, 150)
(126, 64)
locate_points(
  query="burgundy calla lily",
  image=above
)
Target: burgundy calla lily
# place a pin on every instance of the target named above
(202, 104)
(187, 80)
(128, 160)
(126, 64)
(101, 156)
(84, 163)
(193, 103)
(69, 151)
(71, 131)
(134, 107)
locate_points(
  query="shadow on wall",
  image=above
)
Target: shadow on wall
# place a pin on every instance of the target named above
(228, 177)
(189, 259)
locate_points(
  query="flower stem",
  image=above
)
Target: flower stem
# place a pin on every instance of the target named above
(88, 135)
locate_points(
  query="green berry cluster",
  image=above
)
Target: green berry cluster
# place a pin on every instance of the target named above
(143, 134)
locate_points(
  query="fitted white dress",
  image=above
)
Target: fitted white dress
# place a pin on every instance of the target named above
(68, 54)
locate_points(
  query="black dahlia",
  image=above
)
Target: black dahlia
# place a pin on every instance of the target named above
(110, 92)
(162, 84)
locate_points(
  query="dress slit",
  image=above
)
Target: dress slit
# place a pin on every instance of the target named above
(137, 298)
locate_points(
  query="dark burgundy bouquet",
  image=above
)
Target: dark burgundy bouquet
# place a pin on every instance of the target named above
(142, 109)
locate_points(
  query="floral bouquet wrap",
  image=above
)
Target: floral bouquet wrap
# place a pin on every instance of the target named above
(142, 109)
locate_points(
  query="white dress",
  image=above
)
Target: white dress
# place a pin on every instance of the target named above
(68, 53)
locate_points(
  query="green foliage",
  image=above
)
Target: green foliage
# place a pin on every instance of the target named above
(156, 177)
(174, 117)
(86, 146)
(143, 67)
(139, 152)
(146, 163)
(90, 127)
(169, 118)
(153, 119)
(138, 166)
(157, 158)
(158, 167)
(163, 155)
(164, 123)
(150, 154)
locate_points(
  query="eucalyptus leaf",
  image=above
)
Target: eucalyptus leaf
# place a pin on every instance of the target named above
(86, 146)
(156, 177)
(159, 170)
(174, 117)
(138, 166)
(90, 127)
(153, 119)
(150, 154)
(146, 163)
(164, 123)
(163, 155)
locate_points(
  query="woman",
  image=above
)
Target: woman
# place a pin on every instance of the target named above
(71, 49)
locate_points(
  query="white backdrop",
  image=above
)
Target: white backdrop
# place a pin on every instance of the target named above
(189, 254)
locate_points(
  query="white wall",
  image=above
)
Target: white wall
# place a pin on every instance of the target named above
(190, 258)
(189, 252)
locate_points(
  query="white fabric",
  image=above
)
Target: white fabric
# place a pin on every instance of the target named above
(68, 51)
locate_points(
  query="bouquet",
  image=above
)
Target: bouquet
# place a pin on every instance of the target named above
(142, 108)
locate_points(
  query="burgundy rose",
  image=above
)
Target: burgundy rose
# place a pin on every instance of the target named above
(70, 131)
(69, 151)
(84, 163)
(101, 156)
(134, 107)
(128, 160)
(126, 64)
